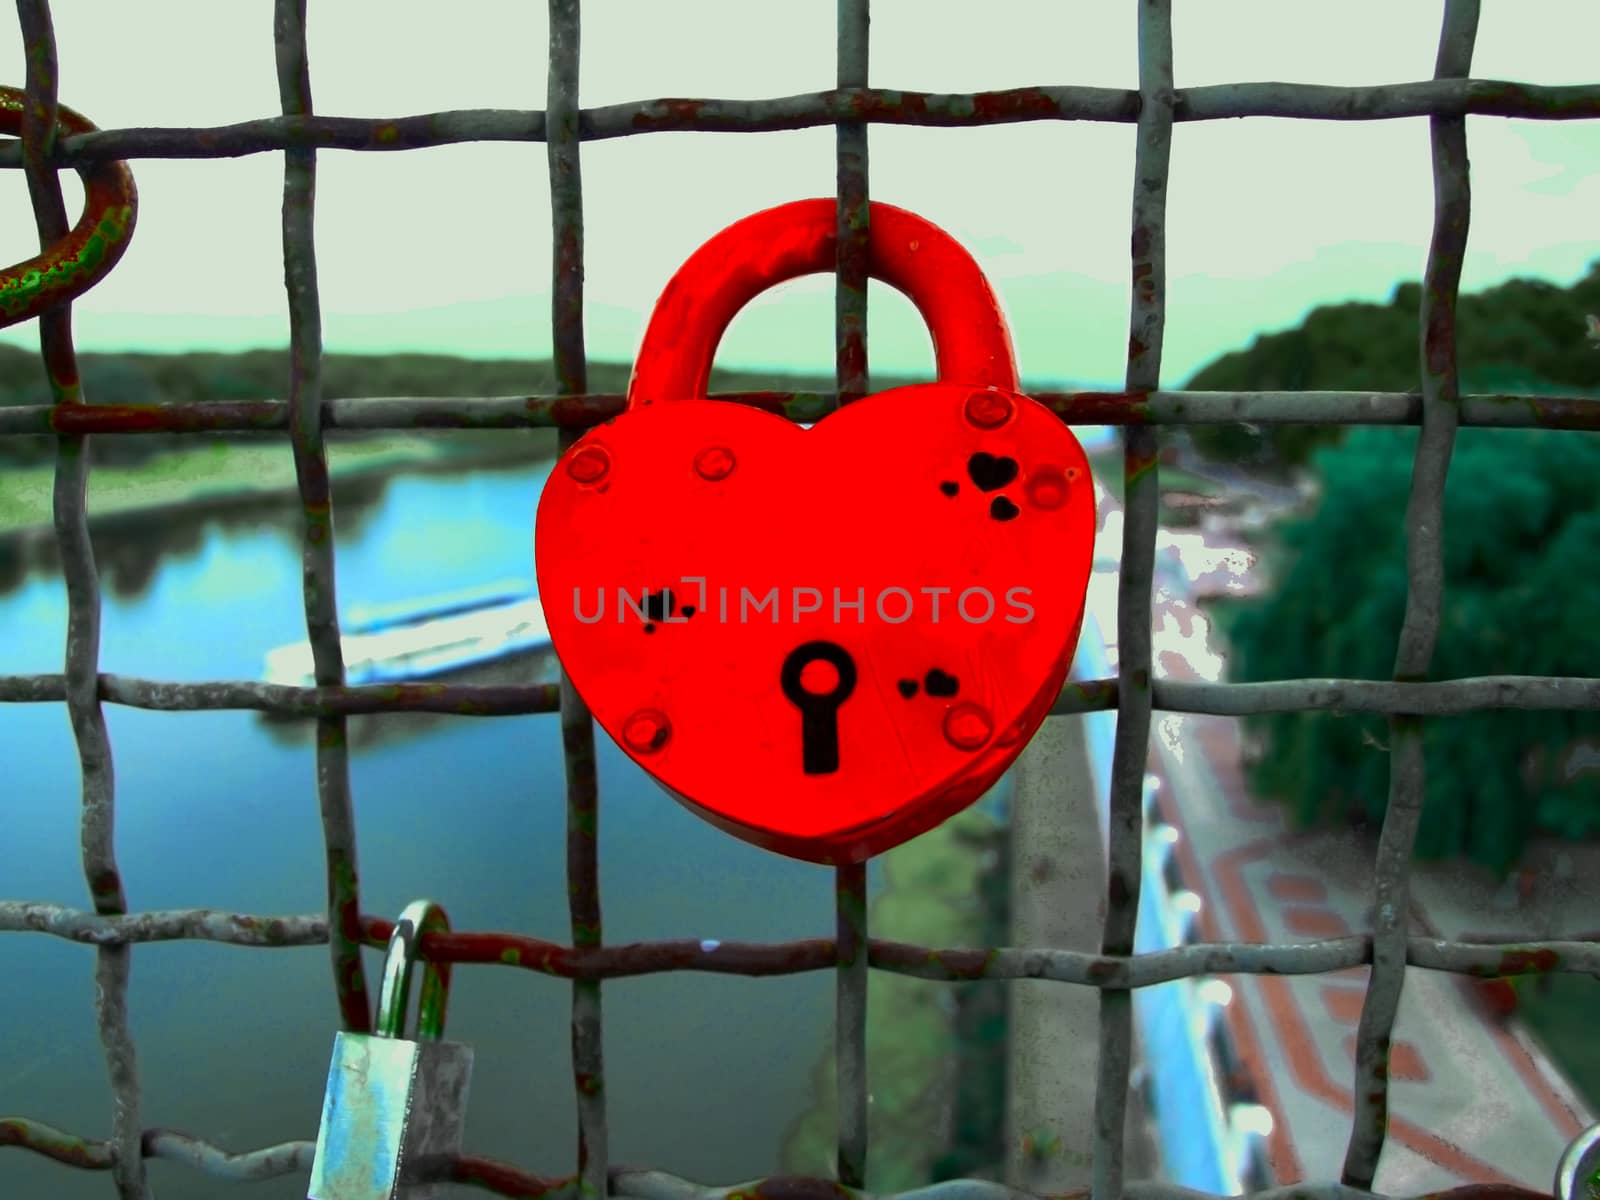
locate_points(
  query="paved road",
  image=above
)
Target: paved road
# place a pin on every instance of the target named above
(1470, 1100)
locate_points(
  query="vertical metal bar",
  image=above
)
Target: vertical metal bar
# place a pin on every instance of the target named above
(82, 664)
(1131, 751)
(850, 296)
(850, 333)
(1452, 203)
(577, 728)
(316, 513)
(850, 896)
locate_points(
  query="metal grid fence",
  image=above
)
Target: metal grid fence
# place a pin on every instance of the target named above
(1141, 408)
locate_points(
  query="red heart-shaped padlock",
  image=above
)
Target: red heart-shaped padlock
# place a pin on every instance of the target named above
(824, 641)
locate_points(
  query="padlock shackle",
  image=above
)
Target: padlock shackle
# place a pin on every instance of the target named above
(971, 341)
(419, 917)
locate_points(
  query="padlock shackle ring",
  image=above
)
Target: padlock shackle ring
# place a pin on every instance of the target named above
(68, 268)
(971, 341)
(419, 917)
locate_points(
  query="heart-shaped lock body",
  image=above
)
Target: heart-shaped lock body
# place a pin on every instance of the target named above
(824, 641)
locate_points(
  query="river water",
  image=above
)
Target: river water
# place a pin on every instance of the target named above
(704, 1073)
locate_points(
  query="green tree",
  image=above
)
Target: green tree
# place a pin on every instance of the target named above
(1524, 335)
(1521, 537)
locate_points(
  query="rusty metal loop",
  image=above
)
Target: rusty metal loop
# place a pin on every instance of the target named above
(80, 260)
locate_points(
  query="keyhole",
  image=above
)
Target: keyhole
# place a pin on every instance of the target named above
(817, 678)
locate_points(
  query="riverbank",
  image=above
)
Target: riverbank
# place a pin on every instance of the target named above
(239, 474)
(932, 1097)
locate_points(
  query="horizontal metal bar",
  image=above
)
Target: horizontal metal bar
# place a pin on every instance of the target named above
(1501, 410)
(879, 106)
(295, 1157)
(492, 700)
(73, 1151)
(196, 1153)
(1482, 959)
(658, 1185)
(1445, 697)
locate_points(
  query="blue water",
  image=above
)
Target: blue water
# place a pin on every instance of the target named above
(704, 1073)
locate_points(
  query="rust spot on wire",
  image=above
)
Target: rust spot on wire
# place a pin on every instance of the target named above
(963, 964)
(1564, 412)
(105, 885)
(1017, 103)
(669, 112)
(792, 1187)
(1102, 970)
(166, 418)
(506, 1180)
(1090, 695)
(1380, 1065)
(272, 930)
(64, 1148)
(1098, 408)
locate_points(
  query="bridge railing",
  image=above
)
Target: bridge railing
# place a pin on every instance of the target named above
(1153, 110)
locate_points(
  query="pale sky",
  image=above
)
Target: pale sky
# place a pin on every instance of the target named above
(448, 249)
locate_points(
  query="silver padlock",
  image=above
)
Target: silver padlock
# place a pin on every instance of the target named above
(1578, 1175)
(395, 1109)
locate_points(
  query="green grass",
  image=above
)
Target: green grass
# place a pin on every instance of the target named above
(211, 471)
(930, 900)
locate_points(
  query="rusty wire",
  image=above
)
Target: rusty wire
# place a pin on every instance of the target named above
(1484, 957)
(578, 412)
(80, 678)
(577, 726)
(1424, 594)
(316, 515)
(305, 415)
(850, 375)
(1130, 753)
(1318, 102)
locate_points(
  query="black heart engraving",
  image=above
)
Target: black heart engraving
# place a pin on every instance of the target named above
(991, 473)
(658, 606)
(940, 684)
(908, 688)
(1002, 509)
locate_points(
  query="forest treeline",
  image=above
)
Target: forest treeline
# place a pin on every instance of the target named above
(1521, 336)
(1525, 335)
(263, 375)
(1522, 530)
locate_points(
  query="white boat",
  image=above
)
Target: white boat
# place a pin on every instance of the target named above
(393, 643)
